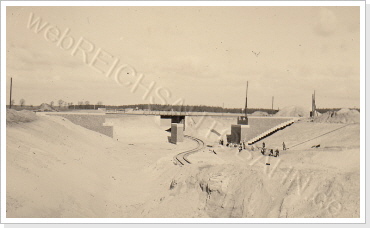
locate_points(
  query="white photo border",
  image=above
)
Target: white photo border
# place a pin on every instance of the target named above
(4, 83)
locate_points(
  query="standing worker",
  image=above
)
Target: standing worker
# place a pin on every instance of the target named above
(284, 147)
(263, 145)
(277, 153)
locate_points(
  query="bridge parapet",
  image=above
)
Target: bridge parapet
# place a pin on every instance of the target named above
(170, 113)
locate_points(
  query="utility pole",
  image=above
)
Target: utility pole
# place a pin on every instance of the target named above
(313, 112)
(272, 106)
(246, 101)
(11, 85)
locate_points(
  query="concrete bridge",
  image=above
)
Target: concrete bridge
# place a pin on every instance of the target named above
(175, 116)
(172, 113)
(115, 124)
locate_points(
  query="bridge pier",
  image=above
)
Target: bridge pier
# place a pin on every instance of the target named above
(239, 133)
(175, 119)
(177, 133)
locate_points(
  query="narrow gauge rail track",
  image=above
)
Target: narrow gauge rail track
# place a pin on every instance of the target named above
(182, 158)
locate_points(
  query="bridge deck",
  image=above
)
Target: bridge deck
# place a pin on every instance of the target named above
(174, 113)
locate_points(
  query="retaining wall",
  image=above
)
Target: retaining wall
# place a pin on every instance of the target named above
(91, 122)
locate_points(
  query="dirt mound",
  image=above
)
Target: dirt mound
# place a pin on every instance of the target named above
(293, 111)
(341, 116)
(229, 191)
(86, 169)
(344, 110)
(259, 113)
(13, 116)
(46, 108)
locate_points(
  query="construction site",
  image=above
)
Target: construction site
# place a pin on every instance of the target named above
(237, 112)
(183, 164)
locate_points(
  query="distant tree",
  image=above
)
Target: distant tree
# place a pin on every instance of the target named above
(22, 102)
(51, 103)
(60, 103)
(87, 102)
(99, 103)
(69, 105)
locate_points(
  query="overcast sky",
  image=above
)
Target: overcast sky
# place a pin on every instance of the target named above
(201, 55)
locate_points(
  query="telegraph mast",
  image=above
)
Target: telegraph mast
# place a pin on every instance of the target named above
(244, 118)
(11, 85)
(272, 105)
(313, 112)
(246, 101)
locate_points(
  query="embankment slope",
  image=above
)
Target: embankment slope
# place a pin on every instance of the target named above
(58, 169)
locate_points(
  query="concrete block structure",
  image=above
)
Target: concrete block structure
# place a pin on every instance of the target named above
(242, 120)
(177, 133)
(239, 133)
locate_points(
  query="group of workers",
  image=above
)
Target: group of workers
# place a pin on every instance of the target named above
(241, 146)
(277, 152)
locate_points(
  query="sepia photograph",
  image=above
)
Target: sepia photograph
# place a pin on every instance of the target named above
(190, 111)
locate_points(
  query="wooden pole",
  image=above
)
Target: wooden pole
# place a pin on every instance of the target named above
(314, 104)
(11, 85)
(246, 100)
(272, 107)
(313, 110)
